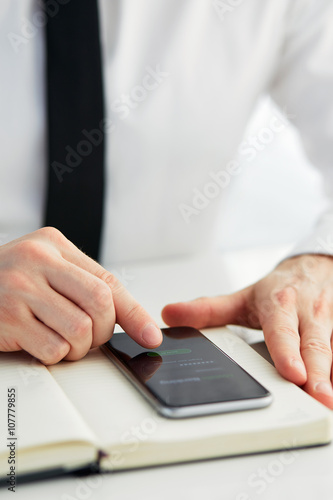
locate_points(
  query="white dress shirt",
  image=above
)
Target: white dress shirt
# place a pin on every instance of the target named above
(182, 78)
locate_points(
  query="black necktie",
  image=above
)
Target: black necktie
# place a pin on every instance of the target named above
(74, 203)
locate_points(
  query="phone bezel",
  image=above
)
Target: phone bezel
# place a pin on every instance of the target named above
(187, 411)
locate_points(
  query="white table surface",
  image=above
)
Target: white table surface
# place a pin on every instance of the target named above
(307, 476)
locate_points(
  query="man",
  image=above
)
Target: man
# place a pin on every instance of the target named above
(180, 80)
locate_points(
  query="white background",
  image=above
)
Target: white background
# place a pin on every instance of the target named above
(281, 190)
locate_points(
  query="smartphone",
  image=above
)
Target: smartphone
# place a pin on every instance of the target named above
(187, 375)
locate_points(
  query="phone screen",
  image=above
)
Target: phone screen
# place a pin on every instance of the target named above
(186, 369)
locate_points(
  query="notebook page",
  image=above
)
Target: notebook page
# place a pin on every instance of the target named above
(291, 406)
(43, 413)
(101, 394)
(119, 415)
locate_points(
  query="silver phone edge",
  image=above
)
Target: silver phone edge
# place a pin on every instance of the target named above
(189, 411)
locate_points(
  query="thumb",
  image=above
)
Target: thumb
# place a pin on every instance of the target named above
(211, 311)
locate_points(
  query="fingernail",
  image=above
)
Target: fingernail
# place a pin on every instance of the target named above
(324, 388)
(151, 335)
(295, 363)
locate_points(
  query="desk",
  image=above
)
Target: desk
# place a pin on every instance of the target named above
(308, 475)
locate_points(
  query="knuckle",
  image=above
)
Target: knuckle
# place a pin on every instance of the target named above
(103, 336)
(14, 280)
(321, 306)
(286, 296)
(287, 331)
(11, 313)
(317, 374)
(54, 353)
(101, 296)
(52, 234)
(30, 250)
(135, 311)
(81, 327)
(317, 346)
(112, 282)
(13, 310)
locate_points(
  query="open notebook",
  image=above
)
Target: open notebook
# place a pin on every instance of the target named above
(74, 414)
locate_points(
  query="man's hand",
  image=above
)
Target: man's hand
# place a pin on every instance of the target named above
(56, 302)
(293, 306)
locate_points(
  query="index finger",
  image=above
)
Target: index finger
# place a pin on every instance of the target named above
(130, 315)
